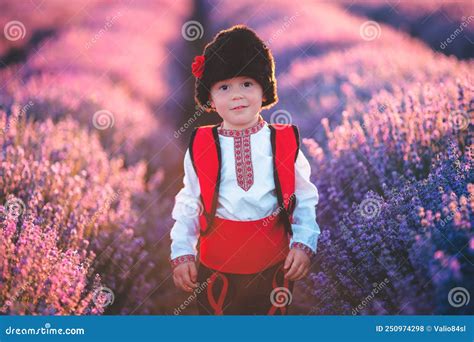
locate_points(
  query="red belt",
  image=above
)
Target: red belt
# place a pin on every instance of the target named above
(244, 247)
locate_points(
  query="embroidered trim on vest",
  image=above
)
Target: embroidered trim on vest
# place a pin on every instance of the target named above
(243, 152)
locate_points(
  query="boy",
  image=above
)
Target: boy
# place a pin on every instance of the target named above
(247, 196)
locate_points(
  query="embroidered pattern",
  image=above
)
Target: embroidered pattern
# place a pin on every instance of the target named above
(243, 152)
(304, 248)
(243, 162)
(182, 259)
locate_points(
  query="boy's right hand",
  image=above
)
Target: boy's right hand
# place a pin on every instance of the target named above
(185, 276)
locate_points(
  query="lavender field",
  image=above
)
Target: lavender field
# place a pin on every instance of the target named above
(96, 111)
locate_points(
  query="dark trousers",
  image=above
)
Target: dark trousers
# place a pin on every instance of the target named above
(263, 293)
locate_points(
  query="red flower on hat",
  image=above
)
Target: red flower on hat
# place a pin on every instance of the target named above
(198, 66)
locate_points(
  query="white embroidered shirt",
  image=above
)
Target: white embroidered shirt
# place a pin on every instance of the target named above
(247, 192)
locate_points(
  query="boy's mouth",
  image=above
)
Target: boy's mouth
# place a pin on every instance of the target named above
(239, 107)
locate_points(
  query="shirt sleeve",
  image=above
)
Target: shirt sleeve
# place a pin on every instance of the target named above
(305, 228)
(188, 206)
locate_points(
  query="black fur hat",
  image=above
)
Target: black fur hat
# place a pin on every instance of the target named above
(237, 51)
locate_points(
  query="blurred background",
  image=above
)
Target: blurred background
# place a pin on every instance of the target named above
(96, 110)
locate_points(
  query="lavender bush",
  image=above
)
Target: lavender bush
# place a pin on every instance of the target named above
(414, 244)
(392, 169)
(37, 277)
(80, 200)
(399, 135)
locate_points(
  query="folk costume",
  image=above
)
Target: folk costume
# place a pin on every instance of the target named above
(247, 196)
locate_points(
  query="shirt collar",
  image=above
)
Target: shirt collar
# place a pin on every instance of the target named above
(242, 132)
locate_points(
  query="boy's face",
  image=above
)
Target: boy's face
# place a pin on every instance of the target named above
(237, 100)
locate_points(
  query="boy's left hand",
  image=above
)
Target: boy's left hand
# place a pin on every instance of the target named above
(296, 265)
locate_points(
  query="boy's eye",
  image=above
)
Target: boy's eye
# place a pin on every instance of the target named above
(223, 87)
(247, 84)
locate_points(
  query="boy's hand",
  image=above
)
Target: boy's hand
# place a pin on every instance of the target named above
(185, 276)
(296, 265)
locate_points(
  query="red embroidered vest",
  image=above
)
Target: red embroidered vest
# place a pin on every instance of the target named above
(205, 154)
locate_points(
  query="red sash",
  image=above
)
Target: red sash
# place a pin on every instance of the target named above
(244, 247)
